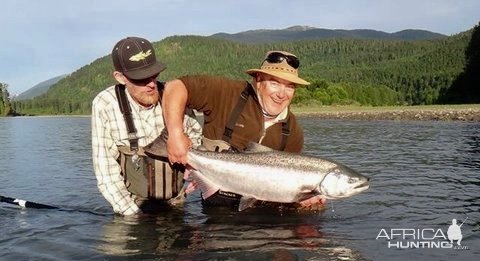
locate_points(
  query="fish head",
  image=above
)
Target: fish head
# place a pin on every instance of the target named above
(342, 182)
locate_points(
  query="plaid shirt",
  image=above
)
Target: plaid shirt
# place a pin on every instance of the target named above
(109, 131)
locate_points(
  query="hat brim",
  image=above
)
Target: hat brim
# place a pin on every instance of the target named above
(146, 72)
(285, 76)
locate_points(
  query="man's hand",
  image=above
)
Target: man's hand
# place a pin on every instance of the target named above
(177, 148)
(313, 203)
(192, 184)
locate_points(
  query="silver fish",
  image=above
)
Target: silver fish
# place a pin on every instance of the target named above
(264, 174)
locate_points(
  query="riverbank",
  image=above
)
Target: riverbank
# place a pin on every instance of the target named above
(464, 112)
(428, 112)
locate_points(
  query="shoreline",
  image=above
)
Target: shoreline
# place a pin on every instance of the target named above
(464, 112)
(467, 113)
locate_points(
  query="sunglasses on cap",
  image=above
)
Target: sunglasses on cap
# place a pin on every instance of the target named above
(277, 57)
(143, 82)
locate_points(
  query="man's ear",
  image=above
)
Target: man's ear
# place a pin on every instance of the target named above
(255, 78)
(119, 77)
(258, 77)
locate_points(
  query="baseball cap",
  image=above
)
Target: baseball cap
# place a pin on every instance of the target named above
(135, 58)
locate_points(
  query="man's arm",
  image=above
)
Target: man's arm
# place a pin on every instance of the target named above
(174, 101)
(107, 170)
(192, 128)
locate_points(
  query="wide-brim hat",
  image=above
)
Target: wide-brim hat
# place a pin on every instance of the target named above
(135, 58)
(281, 69)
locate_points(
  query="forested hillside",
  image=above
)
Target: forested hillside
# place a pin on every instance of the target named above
(343, 71)
(296, 33)
(39, 89)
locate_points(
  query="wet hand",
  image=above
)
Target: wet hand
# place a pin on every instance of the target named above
(192, 184)
(178, 147)
(313, 203)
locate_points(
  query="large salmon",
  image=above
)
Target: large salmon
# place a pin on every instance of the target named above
(264, 174)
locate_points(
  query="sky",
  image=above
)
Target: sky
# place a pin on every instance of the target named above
(43, 39)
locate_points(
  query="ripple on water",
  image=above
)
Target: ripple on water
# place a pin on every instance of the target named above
(423, 174)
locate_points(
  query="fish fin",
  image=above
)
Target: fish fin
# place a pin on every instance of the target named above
(246, 202)
(253, 147)
(305, 193)
(156, 148)
(207, 187)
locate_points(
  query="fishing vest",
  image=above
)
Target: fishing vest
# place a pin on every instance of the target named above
(224, 144)
(145, 177)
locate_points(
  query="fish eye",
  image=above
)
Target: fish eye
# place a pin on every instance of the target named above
(352, 180)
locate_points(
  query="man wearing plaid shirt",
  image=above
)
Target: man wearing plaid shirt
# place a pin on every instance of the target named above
(137, 68)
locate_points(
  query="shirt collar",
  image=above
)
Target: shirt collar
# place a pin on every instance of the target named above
(280, 118)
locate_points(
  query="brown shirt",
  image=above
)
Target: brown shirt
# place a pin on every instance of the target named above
(216, 97)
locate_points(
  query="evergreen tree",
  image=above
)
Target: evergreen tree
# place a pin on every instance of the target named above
(466, 87)
(6, 108)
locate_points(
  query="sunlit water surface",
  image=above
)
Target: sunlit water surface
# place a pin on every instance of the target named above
(423, 174)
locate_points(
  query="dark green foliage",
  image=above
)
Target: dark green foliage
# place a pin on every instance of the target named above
(342, 71)
(3, 98)
(6, 108)
(323, 93)
(466, 87)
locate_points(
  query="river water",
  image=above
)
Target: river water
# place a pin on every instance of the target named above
(423, 175)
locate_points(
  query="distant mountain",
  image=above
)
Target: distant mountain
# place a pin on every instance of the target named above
(295, 33)
(342, 70)
(39, 89)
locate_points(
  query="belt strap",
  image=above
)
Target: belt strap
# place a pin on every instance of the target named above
(242, 100)
(285, 134)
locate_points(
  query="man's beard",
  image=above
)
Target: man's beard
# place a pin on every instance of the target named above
(148, 100)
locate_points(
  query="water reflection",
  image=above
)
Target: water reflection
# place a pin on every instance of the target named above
(272, 234)
(153, 233)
